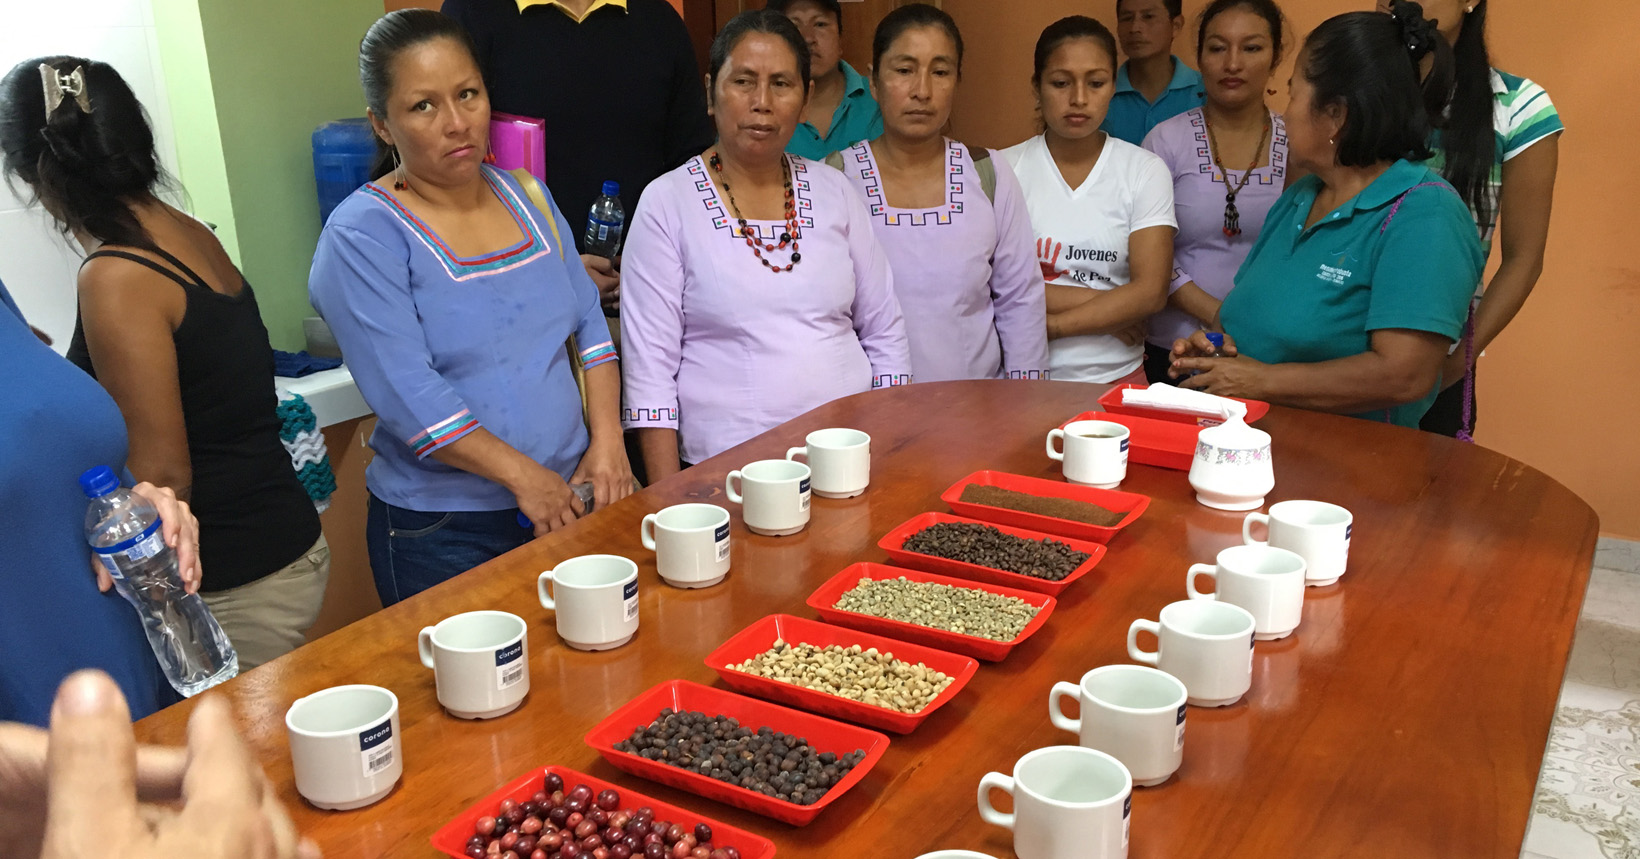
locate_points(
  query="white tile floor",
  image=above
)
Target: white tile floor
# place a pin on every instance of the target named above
(1588, 800)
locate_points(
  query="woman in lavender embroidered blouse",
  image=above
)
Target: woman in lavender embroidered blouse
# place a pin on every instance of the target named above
(727, 335)
(452, 297)
(962, 251)
(1238, 46)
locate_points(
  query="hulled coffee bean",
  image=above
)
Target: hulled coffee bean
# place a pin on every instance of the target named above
(867, 676)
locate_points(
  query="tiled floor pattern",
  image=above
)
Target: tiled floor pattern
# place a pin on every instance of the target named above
(1588, 799)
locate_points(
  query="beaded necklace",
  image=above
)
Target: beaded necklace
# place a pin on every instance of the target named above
(789, 237)
(1232, 218)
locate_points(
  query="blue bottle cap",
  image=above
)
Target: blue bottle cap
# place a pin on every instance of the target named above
(1216, 339)
(99, 481)
(612, 188)
(524, 522)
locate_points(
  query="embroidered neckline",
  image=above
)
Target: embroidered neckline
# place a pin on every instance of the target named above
(864, 164)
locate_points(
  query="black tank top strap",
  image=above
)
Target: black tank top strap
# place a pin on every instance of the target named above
(194, 279)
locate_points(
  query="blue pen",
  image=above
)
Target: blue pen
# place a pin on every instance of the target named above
(582, 491)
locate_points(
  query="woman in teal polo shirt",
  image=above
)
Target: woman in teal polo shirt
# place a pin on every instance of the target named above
(1361, 279)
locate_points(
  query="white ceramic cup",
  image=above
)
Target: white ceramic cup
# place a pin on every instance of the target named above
(594, 599)
(690, 542)
(840, 459)
(774, 494)
(344, 746)
(1208, 645)
(955, 854)
(480, 662)
(1095, 452)
(1266, 581)
(1132, 713)
(1069, 803)
(1317, 531)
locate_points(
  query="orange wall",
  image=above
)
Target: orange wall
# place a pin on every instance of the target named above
(434, 4)
(1557, 389)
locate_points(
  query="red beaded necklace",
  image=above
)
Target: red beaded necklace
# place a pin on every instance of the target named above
(789, 237)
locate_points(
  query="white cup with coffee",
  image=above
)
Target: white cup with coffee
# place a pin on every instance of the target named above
(1095, 453)
(1208, 645)
(690, 542)
(594, 599)
(1267, 581)
(840, 459)
(344, 746)
(480, 662)
(1132, 713)
(1317, 531)
(774, 494)
(1069, 803)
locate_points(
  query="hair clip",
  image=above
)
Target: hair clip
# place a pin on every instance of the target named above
(59, 86)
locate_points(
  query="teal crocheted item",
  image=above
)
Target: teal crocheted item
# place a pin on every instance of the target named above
(299, 430)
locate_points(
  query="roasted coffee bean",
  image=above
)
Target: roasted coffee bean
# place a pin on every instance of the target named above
(986, 546)
(765, 761)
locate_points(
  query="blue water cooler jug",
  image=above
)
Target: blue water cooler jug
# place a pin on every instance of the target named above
(343, 153)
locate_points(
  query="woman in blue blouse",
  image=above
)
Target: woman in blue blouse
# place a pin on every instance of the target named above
(452, 297)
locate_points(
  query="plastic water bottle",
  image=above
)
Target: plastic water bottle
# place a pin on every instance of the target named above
(605, 223)
(124, 532)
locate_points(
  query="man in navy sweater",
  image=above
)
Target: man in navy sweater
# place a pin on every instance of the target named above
(617, 83)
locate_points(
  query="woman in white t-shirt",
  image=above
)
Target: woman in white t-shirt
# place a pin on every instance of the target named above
(1101, 208)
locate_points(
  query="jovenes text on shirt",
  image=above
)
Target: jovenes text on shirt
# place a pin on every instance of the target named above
(1051, 252)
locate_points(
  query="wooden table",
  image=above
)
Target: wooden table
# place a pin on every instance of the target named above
(1407, 717)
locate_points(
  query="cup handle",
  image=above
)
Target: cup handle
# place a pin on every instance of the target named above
(730, 490)
(646, 532)
(1207, 570)
(987, 811)
(1054, 453)
(544, 593)
(1056, 704)
(1247, 528)
(424, 644)
(1134, 652)
(796, 452)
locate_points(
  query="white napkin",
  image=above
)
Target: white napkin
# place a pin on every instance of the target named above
(1175, 399)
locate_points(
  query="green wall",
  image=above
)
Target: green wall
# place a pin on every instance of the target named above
(249, 82)
(193, 114)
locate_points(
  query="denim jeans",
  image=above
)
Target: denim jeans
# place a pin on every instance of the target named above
(411, 551)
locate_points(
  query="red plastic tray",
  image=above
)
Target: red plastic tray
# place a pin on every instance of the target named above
(1162, 443)
(1111, 401)
(761, 635)
(825, 599)
(451, 839)
(893, 540)
(825, 734)
(1131, 503)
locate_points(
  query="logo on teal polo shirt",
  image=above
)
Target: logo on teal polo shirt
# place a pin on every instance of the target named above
(1341, 270)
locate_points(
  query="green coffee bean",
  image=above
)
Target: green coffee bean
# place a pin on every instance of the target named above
(968, 611)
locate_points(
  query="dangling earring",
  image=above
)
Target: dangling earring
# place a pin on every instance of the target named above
(398, 172)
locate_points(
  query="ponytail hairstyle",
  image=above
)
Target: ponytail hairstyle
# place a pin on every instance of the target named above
(387, 39)
(1266, 9)
(1065, 30)
(1369, 64)
(1468, 140)
(909, 17)
(88, 157)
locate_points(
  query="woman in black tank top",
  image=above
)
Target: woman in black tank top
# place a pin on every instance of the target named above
(184, 354)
